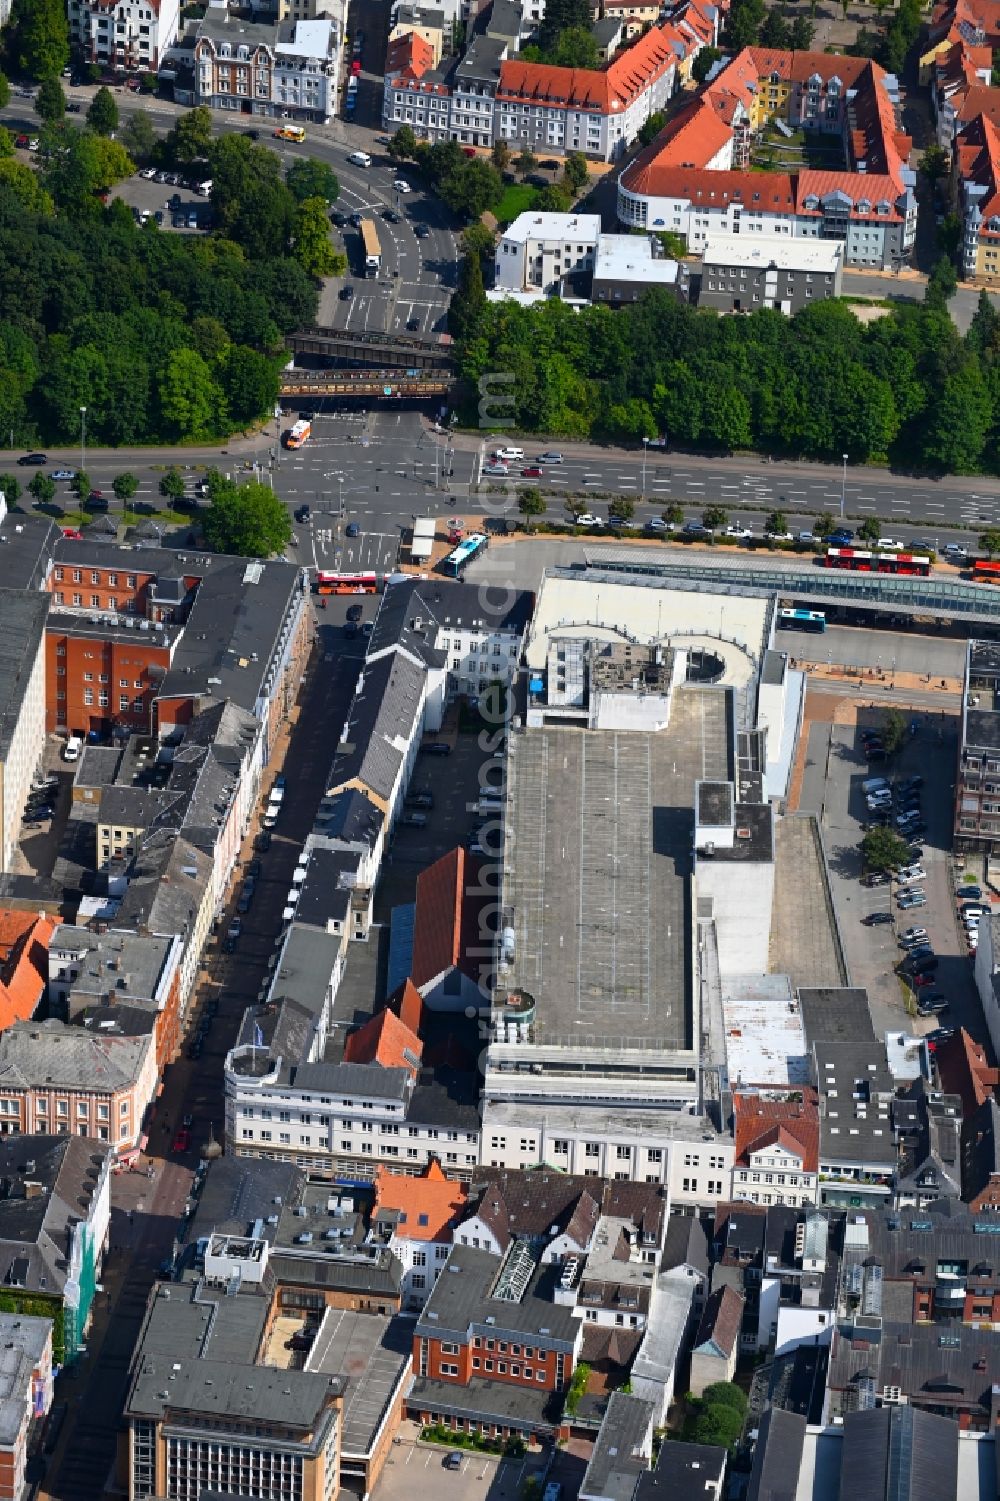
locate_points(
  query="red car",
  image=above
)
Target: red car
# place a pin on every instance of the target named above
(356, 67)
(21, 141)
(532, 472)
(918, 980)
(72, 533)
(182, 1141)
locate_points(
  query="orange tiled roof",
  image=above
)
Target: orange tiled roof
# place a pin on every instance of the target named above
(446, 921)
(408, 1005)
(24, 964)
(410, 55)
(760, 1122)
(978, 149)
(591, 88)
(693, 137)
(429, 1203)
(387, 1041)
(764, 190)
(980, 101)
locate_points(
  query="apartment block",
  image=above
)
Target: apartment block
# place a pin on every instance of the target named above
(124, 36)
(110, 980)
(538, 250)
(22, 707)
(284, 70)
(977, 783)
(25, 1393)
(739, 276)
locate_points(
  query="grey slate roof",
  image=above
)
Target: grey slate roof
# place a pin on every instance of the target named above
(383, 717)
(36, 1231)
(898, 1452)
(26, 545)
(325, 894)
(981, 1149)
(461, 1301)
(835, 1013)
(34, 1054)
(495, 1401)
(855, 1089)
(686, 1244)
(23, 1339)
(777, 1456)
(948, 1367)
(23, 616)
(621, 1450)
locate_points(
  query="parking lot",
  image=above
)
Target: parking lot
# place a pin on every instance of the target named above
(145, 195)
(413, 1469)
(832, 788)
(454, 783)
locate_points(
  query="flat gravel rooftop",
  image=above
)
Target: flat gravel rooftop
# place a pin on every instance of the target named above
(598, 872)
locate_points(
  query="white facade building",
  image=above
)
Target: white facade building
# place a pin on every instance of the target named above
(288, 70)
(125, 35)
(539, 249)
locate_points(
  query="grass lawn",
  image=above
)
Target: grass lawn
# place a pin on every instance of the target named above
(517, 199)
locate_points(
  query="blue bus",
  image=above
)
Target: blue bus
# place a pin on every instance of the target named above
(801, 620)
(455, 564)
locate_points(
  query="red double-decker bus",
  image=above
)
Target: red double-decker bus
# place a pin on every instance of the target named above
(985, 573)
(913, 564)
(346, 583)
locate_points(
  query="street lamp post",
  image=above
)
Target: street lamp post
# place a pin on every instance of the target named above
(83, 440)
(645, 450)
(843, 488)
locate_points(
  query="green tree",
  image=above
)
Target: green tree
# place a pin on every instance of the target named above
(250, 381)
(775, 524)
(527, 161)
(716, 1423)
(775, 31)
(622, 508)
(745, 20)
(25, 187)
(893, 731)
(10, 487)
(704, 62)
(102, 115)
(250, 521)
(252, 203)
(802, 34)
(531, 502)
(4, 91)
(476, 239)
(311, 178)
(191, 137)
(882, 849)
(727, 419)
(956, 428)
(403, 145)
(934, 163)
(6, 143)
(125, 485)
(475, 187)
(577, 1386)
(172, 483)
(989, 542)
(39, 37)
(138, 135)
(870, 530)
(714, 517)
(673, 514)
(80, 484)
(500, 155)
(948, 239)
(942, 282)
(984, 330)
(561, 16)
(191, 400)
(576, 47)
(575, 170)
(50, 101)
(469, 298)
(673, 242)
(43, 488)
(728, 1394)
(651, 128)
(823, 525)
(311, 236)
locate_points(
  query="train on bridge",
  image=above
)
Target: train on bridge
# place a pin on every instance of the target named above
(373, 384)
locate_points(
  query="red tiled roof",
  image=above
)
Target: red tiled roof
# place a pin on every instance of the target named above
(446, 924)
(980, 101)
(760, 1122)
(24, 964)
(978, 149)
(764, 190)
(429, 1203)
(387, 1041)
(964, 1069)
(694, 136)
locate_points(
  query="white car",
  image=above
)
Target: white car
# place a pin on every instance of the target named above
(657, 524)
(360, 159)
(401, 186)
(913, 873)
(495, 469)
(738, 531)
(890, 544)
(587, 520)
(779, 537)
(508, 455)
(148, 172)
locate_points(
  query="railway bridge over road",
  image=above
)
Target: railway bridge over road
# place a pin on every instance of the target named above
(368, 347)
(374, 385)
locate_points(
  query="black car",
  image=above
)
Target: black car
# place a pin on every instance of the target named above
(303, 514)
(927, 966)
(413, 325)
(350, 630)
(253, 134)
(353, 530)
(355, 612)
(876, 919)
(253, 868)
(33, 458)
(346, 293)
(95, 502)
(391, 217)
(356, 220)
(72, 107)
(940, 1034)
(437, 748)
(421, 231)
(262, 842)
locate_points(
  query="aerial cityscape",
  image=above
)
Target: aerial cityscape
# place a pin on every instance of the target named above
(499, 750)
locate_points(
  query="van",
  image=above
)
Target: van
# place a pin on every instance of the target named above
(205, 188)
(72, 748)
(874, 784)
(414, 820)
(360, 159)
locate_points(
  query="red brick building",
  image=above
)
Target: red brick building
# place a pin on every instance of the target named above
(98, 675)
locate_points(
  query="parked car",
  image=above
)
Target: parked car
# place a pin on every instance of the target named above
(913, 935)
(738, 531)
(235, 928)
(876, 919)
(908, 901)
(586, 519)
(969, 893)
(931, 1004)
(182, 1141)
(355, 612)
(696, 529)
(453, 1461)
(940, 1034)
